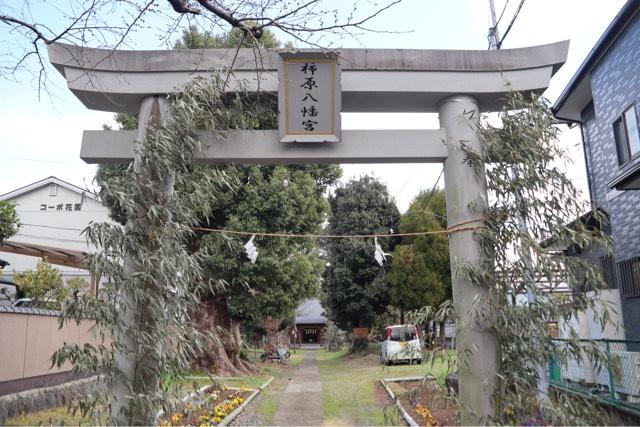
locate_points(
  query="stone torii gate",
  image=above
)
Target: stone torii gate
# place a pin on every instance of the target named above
(457, 84)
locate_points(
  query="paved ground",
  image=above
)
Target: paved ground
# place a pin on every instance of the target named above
(250, 415)
(301, 402)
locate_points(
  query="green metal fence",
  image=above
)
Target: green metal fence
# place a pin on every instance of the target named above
(606, 370)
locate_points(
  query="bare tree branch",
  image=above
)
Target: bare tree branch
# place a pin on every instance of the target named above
(110, 24)
(181, 6)
(9, 20)
(213, 7)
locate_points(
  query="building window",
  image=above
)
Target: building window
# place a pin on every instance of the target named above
(608, 267)
(625, 131)
(53, 189)
(630, 277)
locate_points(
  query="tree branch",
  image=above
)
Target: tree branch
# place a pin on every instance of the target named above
(213, 7)
(17, 22)
(181, 6)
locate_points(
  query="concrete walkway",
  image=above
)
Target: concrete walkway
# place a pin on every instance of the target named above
(301, 402)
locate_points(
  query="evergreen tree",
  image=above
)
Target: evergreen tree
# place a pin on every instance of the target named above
(354, 284)
(420, 274)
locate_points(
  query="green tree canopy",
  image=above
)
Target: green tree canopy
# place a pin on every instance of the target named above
(269, 199)
(420, 274)
(43, 283)
(9, 223)
(354, 284)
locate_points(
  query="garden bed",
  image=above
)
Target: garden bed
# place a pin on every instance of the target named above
(423, 403)
(246, 389)
(212, 406)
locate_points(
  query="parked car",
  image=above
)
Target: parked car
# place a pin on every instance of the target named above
(401, 343)
(23, 302)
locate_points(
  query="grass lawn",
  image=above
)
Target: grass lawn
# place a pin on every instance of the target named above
(54, 416)
(349, 384)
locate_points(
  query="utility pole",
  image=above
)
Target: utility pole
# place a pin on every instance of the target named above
(494, 36)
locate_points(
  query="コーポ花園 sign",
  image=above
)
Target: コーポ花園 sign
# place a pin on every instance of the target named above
(309, 98)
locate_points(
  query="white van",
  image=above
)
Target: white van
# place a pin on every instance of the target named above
(401, 343)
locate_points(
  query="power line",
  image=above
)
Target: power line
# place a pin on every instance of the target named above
(57, 239)
(426, 211)
(52, 226)
(501, 13)
(515, 15)
(433, 190)
(413, 172)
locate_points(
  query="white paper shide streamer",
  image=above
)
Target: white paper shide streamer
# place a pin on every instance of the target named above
(379, 254)
(252, 251)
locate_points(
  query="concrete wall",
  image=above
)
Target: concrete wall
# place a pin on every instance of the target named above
(615, 85)
(28, 339)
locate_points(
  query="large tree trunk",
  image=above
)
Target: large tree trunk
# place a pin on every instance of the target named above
(209, 319)
(234, 348)
(442, 335)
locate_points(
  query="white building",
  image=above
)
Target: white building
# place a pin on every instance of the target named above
(52, 214)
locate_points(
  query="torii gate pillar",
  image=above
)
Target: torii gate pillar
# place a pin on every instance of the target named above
(466, 196)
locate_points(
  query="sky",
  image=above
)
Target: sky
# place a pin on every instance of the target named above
(40, 133)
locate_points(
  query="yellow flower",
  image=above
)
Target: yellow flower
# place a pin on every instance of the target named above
(426, 414)
(176, 418)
